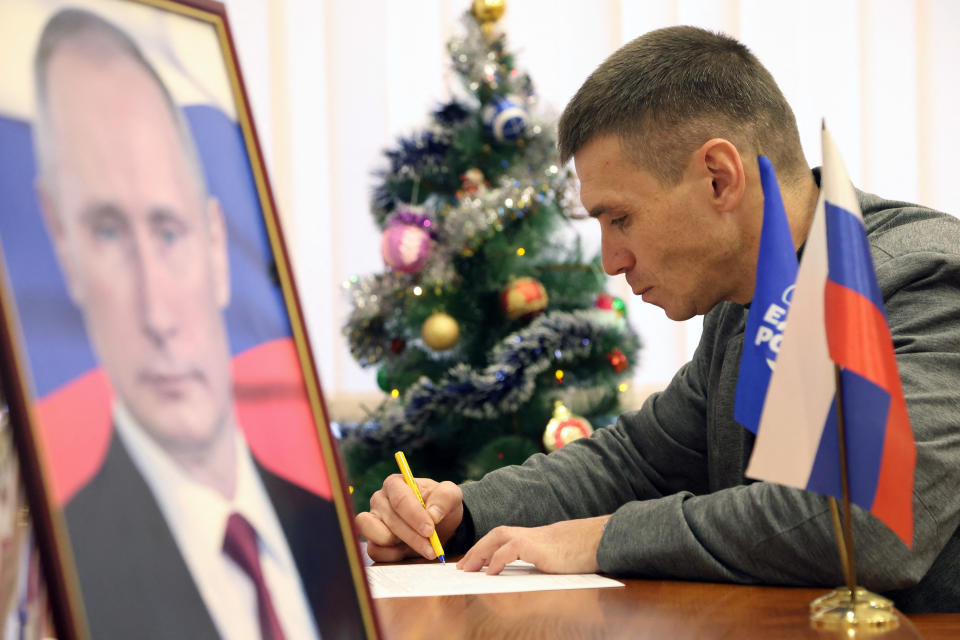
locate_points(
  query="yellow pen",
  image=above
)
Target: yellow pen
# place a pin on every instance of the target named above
(408, 478)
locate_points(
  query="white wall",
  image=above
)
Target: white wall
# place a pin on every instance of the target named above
(333, 83)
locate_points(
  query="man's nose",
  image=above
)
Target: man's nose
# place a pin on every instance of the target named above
(157, 316)
(615, 259)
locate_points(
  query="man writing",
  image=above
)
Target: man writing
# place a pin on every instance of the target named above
(665, 136)
(181, 533)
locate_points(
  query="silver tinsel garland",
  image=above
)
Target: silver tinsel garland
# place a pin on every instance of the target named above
(500, 388)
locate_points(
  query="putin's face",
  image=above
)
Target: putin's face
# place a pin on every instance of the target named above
(141, 248)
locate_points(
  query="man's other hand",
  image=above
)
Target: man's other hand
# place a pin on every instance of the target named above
(397, 526)
(562, 547)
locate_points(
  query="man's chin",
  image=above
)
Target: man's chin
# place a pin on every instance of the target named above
(675, 314)
(647, 297)
(185, 446)
(179, 433)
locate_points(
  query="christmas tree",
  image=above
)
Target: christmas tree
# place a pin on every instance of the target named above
(491, 333)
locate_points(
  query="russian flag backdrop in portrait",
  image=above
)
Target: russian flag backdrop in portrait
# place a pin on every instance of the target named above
(837, 318)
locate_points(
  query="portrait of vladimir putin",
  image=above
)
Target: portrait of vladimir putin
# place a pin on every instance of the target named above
(181, 533)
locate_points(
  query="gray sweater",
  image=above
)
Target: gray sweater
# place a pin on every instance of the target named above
(672, 473)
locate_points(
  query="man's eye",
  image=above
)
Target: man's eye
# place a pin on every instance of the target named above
(169, 235)
(618, 222)
(108, 230)
(170, 231)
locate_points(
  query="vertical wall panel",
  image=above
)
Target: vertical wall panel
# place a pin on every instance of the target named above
(637, 18)
(249, 21)
(357, 93)
(413, 65)
(310, 183)
(716, 15)
(889, 98)
(560, 43)
(938, 96)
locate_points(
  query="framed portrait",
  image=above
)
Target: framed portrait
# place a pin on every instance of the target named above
(163, 400)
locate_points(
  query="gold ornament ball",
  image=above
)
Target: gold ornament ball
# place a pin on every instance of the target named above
(440, 331)
(564, 428)
(488, 10)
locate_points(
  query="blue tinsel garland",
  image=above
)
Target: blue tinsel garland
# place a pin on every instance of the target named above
(498, 389)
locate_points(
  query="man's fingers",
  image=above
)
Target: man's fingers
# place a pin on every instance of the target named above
(393, 553)
(562, 547)
(408, 536)
(396, 517)
(374, 530)
(440, 497)
(385, 509)
(406, 505)
(474, 560)
(382, 544)
(479, 554)
(504, 556)
(444, 502)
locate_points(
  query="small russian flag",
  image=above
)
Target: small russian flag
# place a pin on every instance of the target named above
(837, 316)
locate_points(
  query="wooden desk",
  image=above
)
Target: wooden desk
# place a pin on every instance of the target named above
(643, 609)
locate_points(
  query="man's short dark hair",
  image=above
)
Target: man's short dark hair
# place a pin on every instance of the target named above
(667, 92)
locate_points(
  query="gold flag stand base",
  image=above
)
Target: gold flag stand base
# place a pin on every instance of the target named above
(866, 612)
(840, 597)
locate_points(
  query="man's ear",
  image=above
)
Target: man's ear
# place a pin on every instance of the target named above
(58, 237)
(219, 258)
(722, 164)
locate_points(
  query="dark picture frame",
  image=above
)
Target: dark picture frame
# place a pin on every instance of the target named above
(84, 404)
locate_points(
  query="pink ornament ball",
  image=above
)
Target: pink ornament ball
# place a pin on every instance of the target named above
(406, 247)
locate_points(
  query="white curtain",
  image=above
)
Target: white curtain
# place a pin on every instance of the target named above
(333, 83)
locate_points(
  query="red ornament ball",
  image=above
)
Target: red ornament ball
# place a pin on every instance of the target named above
(604, 301)
(406, 247)
(617, 360)
(564, 427)
(523, 298)
(611, 303)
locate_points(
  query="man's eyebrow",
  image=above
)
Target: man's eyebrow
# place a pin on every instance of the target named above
(598, 210)
(603, 208)
(99, 210)
(160, 213)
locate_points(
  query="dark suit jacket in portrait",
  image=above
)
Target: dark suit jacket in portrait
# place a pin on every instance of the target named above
(136, 584)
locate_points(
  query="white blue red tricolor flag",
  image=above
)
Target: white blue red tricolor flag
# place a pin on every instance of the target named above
(776, 273)
(837, 316)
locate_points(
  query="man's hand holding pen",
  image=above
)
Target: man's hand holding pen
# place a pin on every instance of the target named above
(398, 527)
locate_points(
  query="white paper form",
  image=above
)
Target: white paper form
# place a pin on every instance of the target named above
(437, 579)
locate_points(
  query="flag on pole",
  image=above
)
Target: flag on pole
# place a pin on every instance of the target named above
(837, 316)
(776, 274)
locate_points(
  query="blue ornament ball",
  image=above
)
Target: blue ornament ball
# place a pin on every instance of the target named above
(506, 119)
